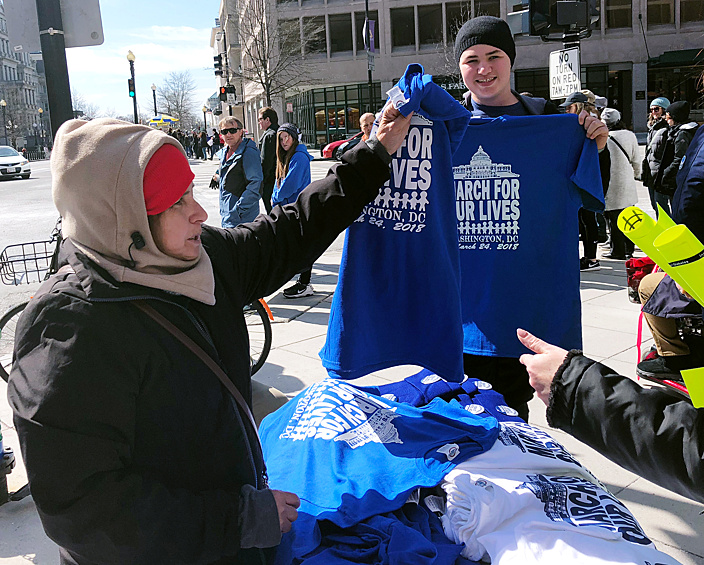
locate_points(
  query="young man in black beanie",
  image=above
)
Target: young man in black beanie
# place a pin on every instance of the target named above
(485, 52)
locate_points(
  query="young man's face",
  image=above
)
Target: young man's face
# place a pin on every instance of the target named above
(486, 71)
(264, 123)
(176, 231)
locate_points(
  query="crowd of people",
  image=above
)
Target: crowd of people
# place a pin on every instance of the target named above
(105, 426)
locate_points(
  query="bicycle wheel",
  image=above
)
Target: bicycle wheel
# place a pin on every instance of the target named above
(7, 338)
(259, 330)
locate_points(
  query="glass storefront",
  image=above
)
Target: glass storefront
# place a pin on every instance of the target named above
(328, 114)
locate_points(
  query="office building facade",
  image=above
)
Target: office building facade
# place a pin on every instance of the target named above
(638, 50)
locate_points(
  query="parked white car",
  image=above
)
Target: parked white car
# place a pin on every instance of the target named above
(12, 164)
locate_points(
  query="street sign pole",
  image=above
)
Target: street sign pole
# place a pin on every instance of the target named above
(370, 56)
(51, 35)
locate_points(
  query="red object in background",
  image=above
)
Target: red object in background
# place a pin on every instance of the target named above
(329, 150)
(636, 269)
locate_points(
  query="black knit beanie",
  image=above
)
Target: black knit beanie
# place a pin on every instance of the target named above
(679, 111)
(485, 30)
(290, 129)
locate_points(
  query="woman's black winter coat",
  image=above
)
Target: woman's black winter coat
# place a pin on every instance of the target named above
(135, 451)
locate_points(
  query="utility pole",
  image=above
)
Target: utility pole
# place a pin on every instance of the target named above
(133, 92)
(51, 35)
(370, 55)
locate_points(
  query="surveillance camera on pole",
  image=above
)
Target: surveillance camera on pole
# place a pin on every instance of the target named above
(567, 21)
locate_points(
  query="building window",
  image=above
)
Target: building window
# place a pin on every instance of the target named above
(314, 32)
(661, 12)
(691, 11)
(536, 82)
(456, 13)
(340, 32)
(618, 13)
(430, 24)
(289, 36)
(487, 8)
(402, 27)
(359, 24)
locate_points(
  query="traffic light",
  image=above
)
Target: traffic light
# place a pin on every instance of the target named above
(130, 86)
(218, 65)
(223, 94)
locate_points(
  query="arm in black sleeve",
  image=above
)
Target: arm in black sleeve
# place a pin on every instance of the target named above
(266, 253)
(648, 432)
(670, 174)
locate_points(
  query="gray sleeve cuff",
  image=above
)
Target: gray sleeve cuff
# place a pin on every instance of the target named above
(375, 145)
(258, 518)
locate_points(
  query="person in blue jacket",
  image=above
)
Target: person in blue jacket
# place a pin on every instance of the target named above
(292, 176)
(239, 175)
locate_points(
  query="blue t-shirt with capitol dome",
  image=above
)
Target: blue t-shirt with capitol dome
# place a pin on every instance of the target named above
(519, 183)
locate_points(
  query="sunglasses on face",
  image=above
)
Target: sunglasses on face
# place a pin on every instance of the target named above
(233, 131)
(657, 109)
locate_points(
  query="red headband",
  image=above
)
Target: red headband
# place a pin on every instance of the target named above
(166, 178)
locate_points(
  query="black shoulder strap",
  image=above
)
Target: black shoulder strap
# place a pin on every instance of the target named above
(203, 356)
(620, 147)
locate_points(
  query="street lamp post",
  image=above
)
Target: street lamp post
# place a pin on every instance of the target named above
(205, 124)
(3, 104)
(41, 124)
(154, 95)
(130, 58)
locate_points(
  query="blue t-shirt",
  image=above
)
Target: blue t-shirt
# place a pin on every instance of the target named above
(519, 182)
(350, 455)
(398, 295)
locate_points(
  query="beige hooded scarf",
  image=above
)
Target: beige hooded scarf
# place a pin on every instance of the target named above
(97, 169)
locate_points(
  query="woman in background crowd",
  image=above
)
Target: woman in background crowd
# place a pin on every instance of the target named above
(625, 168)
(670, 146)
(651, 165)
(292, 176)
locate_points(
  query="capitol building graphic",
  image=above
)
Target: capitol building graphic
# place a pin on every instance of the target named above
(481, 167)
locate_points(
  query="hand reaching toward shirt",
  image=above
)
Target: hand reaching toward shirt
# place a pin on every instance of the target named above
(543, 365)
(393, 128)
(286, 504)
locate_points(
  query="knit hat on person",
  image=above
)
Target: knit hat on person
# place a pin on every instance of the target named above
(102, 189)
(289, 128)
(610, 116)
(166, 177)
(485, 30)
(660, 101)
(600, 101)
(679, 111)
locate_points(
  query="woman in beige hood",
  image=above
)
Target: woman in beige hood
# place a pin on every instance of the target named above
(135, 451)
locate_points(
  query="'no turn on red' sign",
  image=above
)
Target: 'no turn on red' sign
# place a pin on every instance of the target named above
(564, 73)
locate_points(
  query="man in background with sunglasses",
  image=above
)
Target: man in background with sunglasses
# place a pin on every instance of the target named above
(239, 176)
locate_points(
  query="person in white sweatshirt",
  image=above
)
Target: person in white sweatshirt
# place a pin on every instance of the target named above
(622, 193)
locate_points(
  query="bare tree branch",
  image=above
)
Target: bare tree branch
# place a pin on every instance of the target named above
(277, 55)
(80, 104)
(176, 96)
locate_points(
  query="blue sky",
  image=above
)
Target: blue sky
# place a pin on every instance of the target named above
(164, 36)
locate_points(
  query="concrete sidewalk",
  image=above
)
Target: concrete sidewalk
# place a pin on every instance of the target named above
(609, 325)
